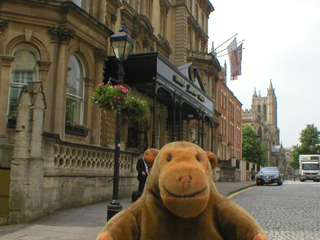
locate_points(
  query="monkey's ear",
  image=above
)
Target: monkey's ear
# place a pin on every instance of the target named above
(150, 154)
(213, 159)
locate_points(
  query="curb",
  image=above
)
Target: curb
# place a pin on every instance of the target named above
(228, 195)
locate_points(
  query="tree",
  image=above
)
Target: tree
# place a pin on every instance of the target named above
(310, 144)
(252, 149)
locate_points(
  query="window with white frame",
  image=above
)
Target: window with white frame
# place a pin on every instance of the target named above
(75, 91)
(222, 125)
(25, 69)
(138, 5)
(162, 23)
(147, 4)
(231, 108)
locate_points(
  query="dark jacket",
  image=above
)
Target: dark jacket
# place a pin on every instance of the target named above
(141, 168)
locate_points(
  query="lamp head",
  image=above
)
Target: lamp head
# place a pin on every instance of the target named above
(121, 43)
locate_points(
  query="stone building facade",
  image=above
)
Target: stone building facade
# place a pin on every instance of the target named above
(263, 117)
(52, 55)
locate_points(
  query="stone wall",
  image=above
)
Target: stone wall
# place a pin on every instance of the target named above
(48, 174)
(76, 175)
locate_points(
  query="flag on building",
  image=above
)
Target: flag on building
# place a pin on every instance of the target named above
(238, 58)
(235, 58)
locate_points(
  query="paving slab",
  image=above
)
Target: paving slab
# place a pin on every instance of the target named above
(83, 223)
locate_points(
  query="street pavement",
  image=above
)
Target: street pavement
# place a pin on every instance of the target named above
(83, 223)
(291, 211)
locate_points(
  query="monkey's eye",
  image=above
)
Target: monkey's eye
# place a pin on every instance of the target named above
(169, 158)
(198, 158)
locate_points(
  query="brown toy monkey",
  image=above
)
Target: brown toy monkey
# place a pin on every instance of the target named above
(180, 201)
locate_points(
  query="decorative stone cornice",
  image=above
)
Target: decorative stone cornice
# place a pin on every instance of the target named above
(165, 5)
(3, 24)
(6, 60)
(99, 54)
(61, 34)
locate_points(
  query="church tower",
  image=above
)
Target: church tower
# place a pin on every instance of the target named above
(263, 117)
(273, 114)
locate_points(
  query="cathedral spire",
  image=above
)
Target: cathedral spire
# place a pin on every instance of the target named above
(270, 86)
(254, 93)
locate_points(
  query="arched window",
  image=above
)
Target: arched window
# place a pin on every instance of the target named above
(75, 91)
(265, 112)
(25, 69)
(259, 108)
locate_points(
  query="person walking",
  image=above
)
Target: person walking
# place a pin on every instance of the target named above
(252, 174)
(144, 165)
(143, 171)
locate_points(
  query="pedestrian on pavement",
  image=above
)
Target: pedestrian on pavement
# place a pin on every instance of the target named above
(143, 171)
(253, 173)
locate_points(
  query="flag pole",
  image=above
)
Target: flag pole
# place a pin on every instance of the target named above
(226, 41)
(227, 53)
(231, 46)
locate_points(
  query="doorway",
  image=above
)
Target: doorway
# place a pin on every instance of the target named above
(137, 140)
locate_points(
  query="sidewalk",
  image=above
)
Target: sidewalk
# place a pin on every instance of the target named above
(83, 223)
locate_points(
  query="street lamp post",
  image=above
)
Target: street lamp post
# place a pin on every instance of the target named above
(122, 44)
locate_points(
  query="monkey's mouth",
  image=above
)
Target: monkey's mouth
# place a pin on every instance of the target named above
(184, 196)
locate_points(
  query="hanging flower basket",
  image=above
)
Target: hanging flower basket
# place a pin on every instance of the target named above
(118, 98)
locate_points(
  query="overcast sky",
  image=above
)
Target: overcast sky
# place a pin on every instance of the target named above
(282, 43)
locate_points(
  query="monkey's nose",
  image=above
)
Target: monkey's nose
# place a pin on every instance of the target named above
(185, 178)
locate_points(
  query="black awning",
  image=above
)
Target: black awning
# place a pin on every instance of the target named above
(139, 68)
(144, 71)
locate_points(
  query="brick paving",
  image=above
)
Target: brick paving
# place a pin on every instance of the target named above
(82, 223)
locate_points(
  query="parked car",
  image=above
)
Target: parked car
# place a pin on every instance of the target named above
(269, 175)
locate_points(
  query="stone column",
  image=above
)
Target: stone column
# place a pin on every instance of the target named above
(100, 57)
(3, 25)
(44, 67)
(62, 36)
(25, 199)
(5, 73)
(102, 11)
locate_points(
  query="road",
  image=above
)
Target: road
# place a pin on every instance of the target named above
(291, 211)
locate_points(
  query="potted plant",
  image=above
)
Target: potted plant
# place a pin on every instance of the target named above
(118, 98)
(76, 129)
